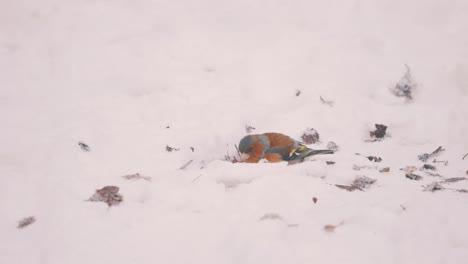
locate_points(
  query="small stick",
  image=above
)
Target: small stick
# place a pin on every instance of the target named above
(439, 149)
(440, 161)
(196, 178)
(465, 156)
(330, 103)
(185, 165)
(238, 152)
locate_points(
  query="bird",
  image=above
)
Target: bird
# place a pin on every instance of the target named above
(275, 147)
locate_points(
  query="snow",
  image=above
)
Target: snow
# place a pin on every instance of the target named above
(129, 78)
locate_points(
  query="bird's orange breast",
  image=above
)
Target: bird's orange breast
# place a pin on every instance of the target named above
(256, 154)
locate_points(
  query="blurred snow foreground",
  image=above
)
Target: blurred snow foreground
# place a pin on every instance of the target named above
(94, 94)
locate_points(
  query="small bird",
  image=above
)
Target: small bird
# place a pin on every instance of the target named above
(275, 147)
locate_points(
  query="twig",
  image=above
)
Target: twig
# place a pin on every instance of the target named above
(440, 161)
(170, 149)
(454, 179)
(238, 151)
(465, 156)
(185, 165)
(136, 176)
(371, 158)
(249, 129)
(196, 178)
(348, 187)
(413, 177)
(424, 157)
(233, 159)
(439, 149)
(330, 103)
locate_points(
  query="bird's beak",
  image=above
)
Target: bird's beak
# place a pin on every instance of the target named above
(244, 157)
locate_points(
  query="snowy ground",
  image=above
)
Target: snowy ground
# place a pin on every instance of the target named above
(131, 77)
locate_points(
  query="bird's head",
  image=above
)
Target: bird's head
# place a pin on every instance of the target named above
(251, 143)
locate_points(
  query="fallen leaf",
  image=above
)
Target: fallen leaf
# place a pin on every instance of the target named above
(433, 187)
(409, 169)
(363, 182)
(108, 194)
(455, 179)
(329, 228)
(84, 146)
(271, 216)
(136, 176)
(26, 221)
(386, 169)
(414, 177)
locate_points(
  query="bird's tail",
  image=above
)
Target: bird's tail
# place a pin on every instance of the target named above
(313, 152)
(302, 152)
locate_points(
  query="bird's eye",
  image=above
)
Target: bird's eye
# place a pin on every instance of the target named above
(249, 149)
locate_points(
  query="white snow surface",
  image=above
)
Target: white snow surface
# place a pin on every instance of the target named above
(129, 78)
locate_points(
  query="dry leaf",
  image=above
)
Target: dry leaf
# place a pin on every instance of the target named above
(433, 187)
(271, 216)
(136, 176)
(455, 179)
(170, 149)
(84, 146)
(329, 228)
(108, 194)
(409, 169)
(314, 200)
(414, 177)
(363, 182)
(386, 169)
(26, 221)
(332, 228)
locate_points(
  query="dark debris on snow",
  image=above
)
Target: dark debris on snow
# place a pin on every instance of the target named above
(26, 222)
(108, 194)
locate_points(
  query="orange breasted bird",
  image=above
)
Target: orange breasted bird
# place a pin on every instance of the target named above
(275, 147)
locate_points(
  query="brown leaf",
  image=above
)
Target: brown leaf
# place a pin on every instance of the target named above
(26, 221)
(271, 216)
(386, 169)
(413, 177)
(409, 169)
(362, 182)
(329, 228)
(315, 200)
(136, 176)
(108, 194)
(347, 187)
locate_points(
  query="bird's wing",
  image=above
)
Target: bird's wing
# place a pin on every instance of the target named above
(284, 151)
(289, 152)
(302, 152)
